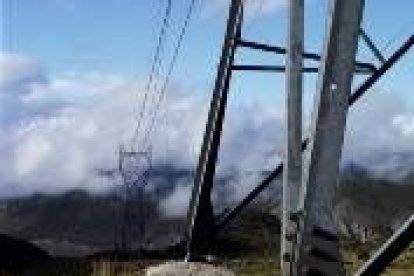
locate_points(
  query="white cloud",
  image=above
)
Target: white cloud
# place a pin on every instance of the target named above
(70, 127)
(176, 204)
(16, 72)
(30, 155)
(405, 123)
(379, 133)
(253, 8)
(380, 120)
(259, 8)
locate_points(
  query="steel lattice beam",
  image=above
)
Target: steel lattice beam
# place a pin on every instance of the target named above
(307, 55)
(282, 69)
(359, 92)
(398, 242)
(371, 45)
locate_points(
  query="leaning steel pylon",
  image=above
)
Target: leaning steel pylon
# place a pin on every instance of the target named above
(317, 250)
(309, 243)
(200, 214)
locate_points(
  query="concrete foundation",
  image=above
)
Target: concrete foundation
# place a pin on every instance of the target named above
(187, 269)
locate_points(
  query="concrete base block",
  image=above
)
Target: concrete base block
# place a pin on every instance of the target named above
(187, 269)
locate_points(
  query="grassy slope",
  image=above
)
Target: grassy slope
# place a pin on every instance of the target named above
(248, 266)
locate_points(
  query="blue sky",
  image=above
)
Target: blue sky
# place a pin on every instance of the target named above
(118, 37)
(73, 71)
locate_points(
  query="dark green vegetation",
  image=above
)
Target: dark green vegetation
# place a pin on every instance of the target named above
(19, 253)
(71, 224)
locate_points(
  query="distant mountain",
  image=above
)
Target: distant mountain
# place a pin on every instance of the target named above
(394, 166)
(368, 208)
(354, 170)
(74, 223)
(80, 223)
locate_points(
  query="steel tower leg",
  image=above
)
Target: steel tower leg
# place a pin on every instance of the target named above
(293, 162)
(318, 250)
(200, 214)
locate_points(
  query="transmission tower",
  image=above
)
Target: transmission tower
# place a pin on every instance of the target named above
(309, 242)
(134, 167)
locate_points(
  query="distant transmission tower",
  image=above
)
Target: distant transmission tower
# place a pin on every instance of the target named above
(133, 167)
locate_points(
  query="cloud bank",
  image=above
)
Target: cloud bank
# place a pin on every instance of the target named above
(57, 133)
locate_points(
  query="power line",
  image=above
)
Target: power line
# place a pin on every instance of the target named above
(156, 62)
(133, 176)
(171, 67)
